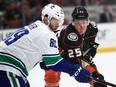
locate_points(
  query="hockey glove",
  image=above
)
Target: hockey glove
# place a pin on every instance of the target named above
(91, 52)
(100, 77)
(80, 74)
(43, 66)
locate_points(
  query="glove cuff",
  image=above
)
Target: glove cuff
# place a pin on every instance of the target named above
(74, 71)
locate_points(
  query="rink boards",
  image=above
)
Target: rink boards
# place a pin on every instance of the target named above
(105, 37)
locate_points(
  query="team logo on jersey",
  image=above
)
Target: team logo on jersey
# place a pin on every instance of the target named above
(72, 37)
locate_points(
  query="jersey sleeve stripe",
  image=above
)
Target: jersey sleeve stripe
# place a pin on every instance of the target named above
(11, 61)
(51, 54)
(51, 59)
(3, 53)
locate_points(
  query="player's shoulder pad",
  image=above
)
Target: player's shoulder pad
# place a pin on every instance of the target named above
(92, 23)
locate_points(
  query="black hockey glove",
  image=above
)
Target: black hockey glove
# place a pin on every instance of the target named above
(43, 66)
(100, 77)
(91, 52)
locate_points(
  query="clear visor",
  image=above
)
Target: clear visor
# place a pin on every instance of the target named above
(61, 22)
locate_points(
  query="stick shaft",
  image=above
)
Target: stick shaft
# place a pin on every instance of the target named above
(103, 82)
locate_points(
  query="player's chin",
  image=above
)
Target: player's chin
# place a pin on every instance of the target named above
(54, 28)
(83, 31)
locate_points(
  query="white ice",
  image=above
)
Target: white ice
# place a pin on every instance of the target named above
(106, 63)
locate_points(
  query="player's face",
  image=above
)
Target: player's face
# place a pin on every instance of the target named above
(80, 25)
(54, 24)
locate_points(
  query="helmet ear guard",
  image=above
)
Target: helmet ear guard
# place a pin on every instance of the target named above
(53, 11)
(79, 13)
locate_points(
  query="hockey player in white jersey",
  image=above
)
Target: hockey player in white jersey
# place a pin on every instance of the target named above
(26, 47)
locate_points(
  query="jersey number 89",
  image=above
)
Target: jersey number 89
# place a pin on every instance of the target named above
(15, 36)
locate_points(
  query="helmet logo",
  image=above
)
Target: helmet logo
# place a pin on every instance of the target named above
(81, 12)
(53, 6)
(72, 37)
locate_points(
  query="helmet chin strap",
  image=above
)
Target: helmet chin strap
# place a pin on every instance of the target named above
(49, 19)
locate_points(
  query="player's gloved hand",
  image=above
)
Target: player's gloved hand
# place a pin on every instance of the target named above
(43, 66)
(91, 53)
(100, 77)
(80, 74)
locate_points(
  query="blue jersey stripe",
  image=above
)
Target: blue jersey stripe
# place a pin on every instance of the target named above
(51, 54)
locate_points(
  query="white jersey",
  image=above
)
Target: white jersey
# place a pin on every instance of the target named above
(26, 47)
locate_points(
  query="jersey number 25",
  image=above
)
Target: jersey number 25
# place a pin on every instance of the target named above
(74, 53)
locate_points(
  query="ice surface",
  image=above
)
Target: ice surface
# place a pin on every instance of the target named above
(106, 63)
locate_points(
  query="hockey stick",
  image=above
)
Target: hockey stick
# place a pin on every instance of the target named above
(102, 82)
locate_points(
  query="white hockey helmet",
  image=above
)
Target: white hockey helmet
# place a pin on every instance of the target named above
(53, 10)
